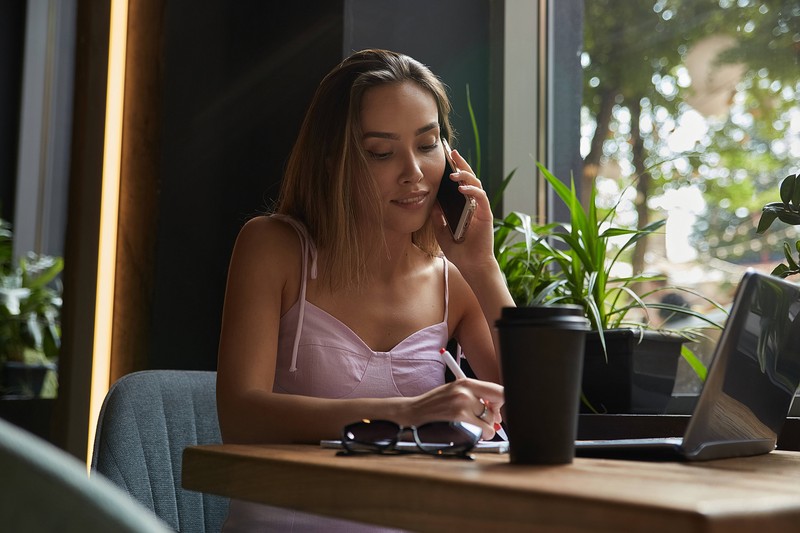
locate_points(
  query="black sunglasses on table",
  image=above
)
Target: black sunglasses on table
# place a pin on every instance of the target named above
(444, 438)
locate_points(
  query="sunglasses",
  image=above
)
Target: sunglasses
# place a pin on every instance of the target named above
(452, 439)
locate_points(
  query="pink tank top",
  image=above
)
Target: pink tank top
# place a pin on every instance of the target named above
(320, 356)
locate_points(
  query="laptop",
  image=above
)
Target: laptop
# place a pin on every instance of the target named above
(751, 382)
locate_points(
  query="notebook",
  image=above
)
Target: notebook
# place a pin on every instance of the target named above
(484, 446)
(752, 379)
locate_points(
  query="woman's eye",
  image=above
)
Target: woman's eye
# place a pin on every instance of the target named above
(379, 155)
(429, 147)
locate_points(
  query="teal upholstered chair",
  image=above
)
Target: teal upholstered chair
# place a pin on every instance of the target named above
(43, 488)
(147, 420)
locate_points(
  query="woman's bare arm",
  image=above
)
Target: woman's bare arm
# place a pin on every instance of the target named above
(475, 260)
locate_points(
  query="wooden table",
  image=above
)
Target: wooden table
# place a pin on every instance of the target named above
(424, 493)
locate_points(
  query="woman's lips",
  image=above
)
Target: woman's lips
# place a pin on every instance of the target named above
(412, 200)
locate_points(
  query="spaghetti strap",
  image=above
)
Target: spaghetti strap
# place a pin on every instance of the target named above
(446, 289)
(308, 249)
(459, 353)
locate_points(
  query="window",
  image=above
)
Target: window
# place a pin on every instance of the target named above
(690, 112)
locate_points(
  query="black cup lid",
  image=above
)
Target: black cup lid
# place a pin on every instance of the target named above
(540, 312)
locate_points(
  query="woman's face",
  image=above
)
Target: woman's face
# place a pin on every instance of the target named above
(400, 125)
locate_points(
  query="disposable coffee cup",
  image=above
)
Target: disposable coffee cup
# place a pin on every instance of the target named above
(541, 357)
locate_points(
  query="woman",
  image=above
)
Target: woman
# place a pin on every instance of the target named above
(337, 304)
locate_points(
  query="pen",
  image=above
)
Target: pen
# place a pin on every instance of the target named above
(452, 365)
(459, 374)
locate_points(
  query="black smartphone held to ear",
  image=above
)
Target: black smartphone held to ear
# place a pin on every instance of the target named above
(457, 207)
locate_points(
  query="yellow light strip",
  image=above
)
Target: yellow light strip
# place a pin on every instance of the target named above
(109, 210)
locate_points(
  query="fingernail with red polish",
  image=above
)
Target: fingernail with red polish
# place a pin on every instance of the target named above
(497, 426)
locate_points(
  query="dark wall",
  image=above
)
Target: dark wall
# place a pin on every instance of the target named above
(238, 78)
(12, 39)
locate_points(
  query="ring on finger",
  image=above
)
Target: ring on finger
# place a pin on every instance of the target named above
(485, 412)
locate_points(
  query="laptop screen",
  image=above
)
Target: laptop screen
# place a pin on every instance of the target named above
(756, 367)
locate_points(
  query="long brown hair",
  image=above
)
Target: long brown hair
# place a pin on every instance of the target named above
(327, 184)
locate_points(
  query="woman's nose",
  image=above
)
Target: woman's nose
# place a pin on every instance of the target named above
(412, 173)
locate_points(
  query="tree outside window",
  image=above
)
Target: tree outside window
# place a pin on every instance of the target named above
(690, 112)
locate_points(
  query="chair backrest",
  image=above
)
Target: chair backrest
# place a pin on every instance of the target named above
(146, 421)
(43, 488)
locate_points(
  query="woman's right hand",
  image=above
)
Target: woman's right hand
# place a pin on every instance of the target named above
(476, 251)
(462, 400)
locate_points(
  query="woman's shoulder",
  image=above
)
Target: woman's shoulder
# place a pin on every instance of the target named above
(268, 238)
(453, 273)
(458, 287)
(268, 229)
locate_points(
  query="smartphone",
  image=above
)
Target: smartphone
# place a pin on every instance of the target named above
(457, 208)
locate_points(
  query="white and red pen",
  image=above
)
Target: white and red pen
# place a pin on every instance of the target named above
(455, 368)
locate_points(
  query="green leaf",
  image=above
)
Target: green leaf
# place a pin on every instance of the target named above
(787, 187)
(38, 271)
(476, 135)
(638, 235)
(768, 216)
(687, 311)
(12, 299)
(787, 251)
(594, 314)
(548, 290)
(789, 217)
(795, 198)
(696, 364)
(585, 401)
(560, 189)
(33, 331)
(782, 271)
(574, 244)
(617, 232)
(498, 194)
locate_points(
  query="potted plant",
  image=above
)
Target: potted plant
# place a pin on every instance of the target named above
(629, 366)
(787, 211)
(30, 306)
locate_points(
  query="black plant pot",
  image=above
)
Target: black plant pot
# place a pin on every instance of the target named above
(639, 375)
(23, 380)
